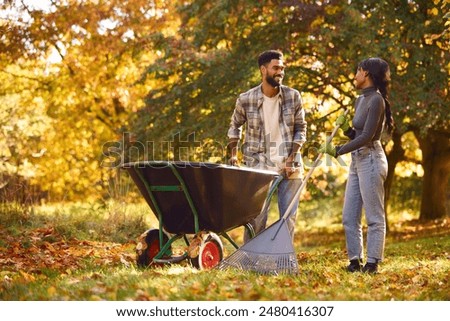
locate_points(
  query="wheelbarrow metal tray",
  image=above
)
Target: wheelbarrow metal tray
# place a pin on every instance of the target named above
(224, 197)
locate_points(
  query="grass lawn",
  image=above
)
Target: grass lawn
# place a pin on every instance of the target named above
(86, 252)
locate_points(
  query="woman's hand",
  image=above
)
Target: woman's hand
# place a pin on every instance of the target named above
(329, 149)
(343, 122)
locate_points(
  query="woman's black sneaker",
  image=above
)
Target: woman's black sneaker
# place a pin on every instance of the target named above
(371, 268)
(355, 266)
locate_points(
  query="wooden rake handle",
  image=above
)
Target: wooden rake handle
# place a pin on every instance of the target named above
(308, 175)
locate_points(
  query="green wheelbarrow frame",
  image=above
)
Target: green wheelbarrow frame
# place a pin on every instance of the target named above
(165, 254)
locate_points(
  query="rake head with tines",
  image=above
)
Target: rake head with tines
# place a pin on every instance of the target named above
(270, 252)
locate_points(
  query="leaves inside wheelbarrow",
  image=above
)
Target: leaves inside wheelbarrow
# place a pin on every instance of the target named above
(194, 245)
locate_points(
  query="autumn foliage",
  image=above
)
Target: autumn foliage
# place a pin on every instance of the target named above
(88, 85)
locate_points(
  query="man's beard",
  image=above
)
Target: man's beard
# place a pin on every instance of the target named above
(273, 82)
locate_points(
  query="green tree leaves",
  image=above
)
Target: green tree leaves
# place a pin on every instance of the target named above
(163, 68)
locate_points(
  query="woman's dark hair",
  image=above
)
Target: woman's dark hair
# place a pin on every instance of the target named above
(378, 71)
(267, 56)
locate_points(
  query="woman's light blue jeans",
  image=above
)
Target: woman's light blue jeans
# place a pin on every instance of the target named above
(365, 189)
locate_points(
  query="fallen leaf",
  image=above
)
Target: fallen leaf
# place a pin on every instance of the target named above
(51, 291)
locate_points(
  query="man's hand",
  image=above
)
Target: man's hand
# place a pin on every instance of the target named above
(290, 167)
(233, 161)
(232, 149)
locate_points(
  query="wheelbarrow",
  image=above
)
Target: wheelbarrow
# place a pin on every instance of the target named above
(202, 200)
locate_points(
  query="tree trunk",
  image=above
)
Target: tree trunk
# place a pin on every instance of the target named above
(436, 165)
(396, 155)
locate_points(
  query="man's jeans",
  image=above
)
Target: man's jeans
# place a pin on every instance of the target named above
(286, 192)
(365, 189)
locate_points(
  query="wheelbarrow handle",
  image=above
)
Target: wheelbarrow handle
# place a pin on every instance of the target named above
(308, 175)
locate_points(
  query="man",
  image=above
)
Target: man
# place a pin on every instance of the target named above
(275, 130)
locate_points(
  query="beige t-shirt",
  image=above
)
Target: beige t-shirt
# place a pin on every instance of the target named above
(271, 112)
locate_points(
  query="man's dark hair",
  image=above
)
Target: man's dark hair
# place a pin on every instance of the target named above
(268, 55)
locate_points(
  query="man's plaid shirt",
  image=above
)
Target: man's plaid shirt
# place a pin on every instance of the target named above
(249, 111)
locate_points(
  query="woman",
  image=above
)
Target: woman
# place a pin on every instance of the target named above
(368, 169)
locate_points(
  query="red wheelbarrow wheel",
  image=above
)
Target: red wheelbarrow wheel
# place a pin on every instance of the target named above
(148, 247)
(210, 251)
